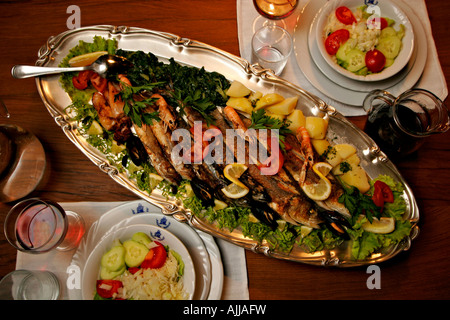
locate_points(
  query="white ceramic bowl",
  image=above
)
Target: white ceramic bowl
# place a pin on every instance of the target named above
(91, 269)
(386, 9)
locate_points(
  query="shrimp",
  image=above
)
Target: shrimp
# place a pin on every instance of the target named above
(165, 112)
(306, 150)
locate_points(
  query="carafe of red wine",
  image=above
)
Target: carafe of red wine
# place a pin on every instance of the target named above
(399, 125)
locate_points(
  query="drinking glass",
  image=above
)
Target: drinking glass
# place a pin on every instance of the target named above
(399, 125)
(271, 47)
(38, 226)
(29, 285)
(273, 11)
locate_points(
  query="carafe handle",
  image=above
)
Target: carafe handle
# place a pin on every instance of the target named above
(377, 94)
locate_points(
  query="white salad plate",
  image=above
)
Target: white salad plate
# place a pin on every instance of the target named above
(92, 268)
(384, 9)
(339, 87)
(201, 246)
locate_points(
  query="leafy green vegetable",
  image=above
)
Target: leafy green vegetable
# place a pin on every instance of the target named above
(365, 243)
(99, 44)
(260, 120)
(358, 203)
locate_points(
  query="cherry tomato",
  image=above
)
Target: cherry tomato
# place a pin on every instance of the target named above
(133, 270)
(107, 288)
(374, 24)
(375, 60)
(273, 164)
(98, 82)
(345, 15)
(155, 258)
(377, 197)
(81, 81)
(386, 191)
(334, 40)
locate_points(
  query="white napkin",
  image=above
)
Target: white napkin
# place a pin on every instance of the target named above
(235, 284)
(432, 78)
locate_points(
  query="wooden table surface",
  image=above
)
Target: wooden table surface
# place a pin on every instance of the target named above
(420, 273)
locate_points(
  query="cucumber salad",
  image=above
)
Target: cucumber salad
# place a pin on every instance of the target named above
(360, 43)
(140, 269)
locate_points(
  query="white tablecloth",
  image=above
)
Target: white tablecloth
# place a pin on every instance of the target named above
(432, 78)
(235, 284)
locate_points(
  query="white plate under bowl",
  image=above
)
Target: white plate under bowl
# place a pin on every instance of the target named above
(92, 268)
(338, 90)
(202, 247)
(386, 9)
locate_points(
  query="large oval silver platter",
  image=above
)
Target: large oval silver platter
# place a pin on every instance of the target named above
(194, 53)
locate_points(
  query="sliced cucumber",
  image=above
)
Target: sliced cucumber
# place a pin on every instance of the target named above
(388, 32)
(143, 238)
(390, 46)
(135, 253)
(114, 260)
(180, 262)
(389, 62)
(343, 51)
(106, 274)
(355, 60)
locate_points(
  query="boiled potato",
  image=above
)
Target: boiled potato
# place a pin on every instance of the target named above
(317, 127)
(296, 119)
(274, 115)
(346, 164)
(345, 150)
(238, 90)
(284, 107)
(241, 104)
(320, 145)
(255, 96)
(267, 100)
(332, 157)
(356, 177)
(353, 159)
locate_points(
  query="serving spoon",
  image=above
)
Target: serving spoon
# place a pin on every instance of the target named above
(105, 65)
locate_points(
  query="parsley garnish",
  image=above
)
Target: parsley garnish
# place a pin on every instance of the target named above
(135, 109)
(260, 120)
(358, 203)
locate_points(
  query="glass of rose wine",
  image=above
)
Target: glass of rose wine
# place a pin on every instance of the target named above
(38, 226)
(273, 10)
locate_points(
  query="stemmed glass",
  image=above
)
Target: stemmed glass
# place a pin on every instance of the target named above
(38, 226)
(272, 11)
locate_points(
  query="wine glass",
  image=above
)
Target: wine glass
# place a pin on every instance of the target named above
(38, 226)
(273, 10)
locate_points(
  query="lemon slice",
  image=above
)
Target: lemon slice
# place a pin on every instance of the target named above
(382, 225)
(235, 191)
(155, 179)
(305, 230)
(86, 59)
(322, 169)
(219, 205)
(233, 171)
(318, 191)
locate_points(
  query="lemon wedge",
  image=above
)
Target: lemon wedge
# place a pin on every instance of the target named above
(155, 179)
(86, 59)
(219, 205)
(233, 172)
(322, 189)
(235, 191)
(382, 225)
(322, 168)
